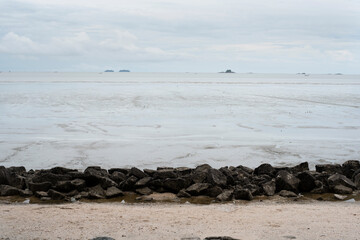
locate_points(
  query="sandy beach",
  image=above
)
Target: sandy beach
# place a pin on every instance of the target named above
(255, 220)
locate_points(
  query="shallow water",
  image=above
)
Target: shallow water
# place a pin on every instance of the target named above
(177, 119)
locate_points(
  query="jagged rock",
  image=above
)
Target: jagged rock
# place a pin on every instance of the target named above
(198, 188)
(243, 194)
(106, 182)
(338, 179)
(3, 175)
(17, 170)
(302, 167)
(165, 173)
(128, 184)
(319, 187)
(245, 169)
(183, 194)
(137, 173)
(16, 180)
(183, 171)
(117, 177)
(254, 189)
(144, 191)
(62, 170)
(124, 171)
(198, 177)
(350, 167)
(78, 184)
(174, 184)
(97, 171)
(329, 168)
(341, 189)
(72, 193)
(113, 192)
(214, 191)
(357, 181)
(150, 172)
(6, 190)
(55, 195)
(216, 177)
(286, 181)
(229, 175)
(226, 195)
(266, 169)
(41, 194)
(47, 176)
(96, 192)
(203, 168)
(143, 182)
(287, 194)
(43, 186)
(269, 188)
(307, 181)
(26, 193)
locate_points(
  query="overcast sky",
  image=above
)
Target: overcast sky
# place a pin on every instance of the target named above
(289, 36)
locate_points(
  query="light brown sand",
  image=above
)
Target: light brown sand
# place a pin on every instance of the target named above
(267, 220)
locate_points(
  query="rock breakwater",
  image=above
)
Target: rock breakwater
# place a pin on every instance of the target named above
(224, 184)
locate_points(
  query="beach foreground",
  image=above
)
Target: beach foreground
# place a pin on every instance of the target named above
(255, 220)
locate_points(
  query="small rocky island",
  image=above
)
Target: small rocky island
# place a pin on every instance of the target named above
(124, 70)
(108, 70)
(228, 71)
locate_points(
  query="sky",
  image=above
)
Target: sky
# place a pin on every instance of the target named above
(277, 36)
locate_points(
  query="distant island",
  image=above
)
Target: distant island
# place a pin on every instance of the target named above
(109, 70)
(124, 70)
(228, 71)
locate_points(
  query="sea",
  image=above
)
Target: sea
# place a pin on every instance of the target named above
(151, 120)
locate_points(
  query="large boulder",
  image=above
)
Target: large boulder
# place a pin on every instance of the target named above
(113, 192)
(43, 186)
(286, 181)
(6, 190)
(226, 195)
(165, 173)
(243, 194)
(266, 169)
(216, 177)
(269, 188)
(198, 189)
(96, 192)
(4, 173)
(350, 167)
(304, 166)
(137, 173)
(214, 191)
(307, 181)
(329, 168)
(67, 186)
(117, 177)
(174, 184)
(339, 179)
(341, 189)
(55, 195)
(143, 182)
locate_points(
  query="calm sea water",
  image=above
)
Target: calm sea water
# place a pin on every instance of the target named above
(177, 119)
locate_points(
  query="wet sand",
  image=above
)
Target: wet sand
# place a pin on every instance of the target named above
(255, 220)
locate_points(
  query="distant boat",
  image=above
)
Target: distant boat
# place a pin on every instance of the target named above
(109, 70)
(124, 70)
(228, 71)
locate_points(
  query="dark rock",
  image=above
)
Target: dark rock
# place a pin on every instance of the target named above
(143, 182)
(229, 175)
(203, 168)
(338, 179)
(254, 189)
(45, 198)
(35, 187)
(62, 170)
(118, 177)
(128, 184)
(41, 194)
(4, 173)
(26, 193)
(307, 181)
(266, 169)
(150, 172)
(165, 173)
(46, 176)
(216, 177)
(72, 193)
(55, 195)
(16, 180)
(6, 190)
(287, 194)
(286, 181)
(96, 170)
(198, 177)
(124, 171)
(357, 181)
(350, 167)
(164, 168)
(17, 170)
(183, 171)
(214, 191)
(258, 180)
(78, 184)
(269, 188)
(64, 186)
(96, 192)
(243, 194)
(106, 182)
(174, 184)
(319, 188)
(198, 188)
(329, 168)
(144, 191)
(341, 189)
(137, 173)
(183, 194)
(113, 192)
(103, 238)
(226, 195)
(302, 167)
(245, 169)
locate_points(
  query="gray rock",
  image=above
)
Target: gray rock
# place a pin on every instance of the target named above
(46, 176)
(226, 195)
(357, 181)
(350, 167)
(243, 194)
(341, 189)
(96, 192)
(6, 190)
(338, 179)
(55, 195)
(266, 169)
(41, 194)
(307, 181)
(183, 171)
(286, 181)
(302, 167)
(138, 173)
(117, 177)
(329, 168)
(143, 182)
(198, 188)
(183, 194)
(174, 184)
(124, 171)
(113, 192)
(150, 172)
(214, 191)
(35, 187)
(288, 194)
(128, 184)
(144, 191)
(269, 188)
(216, 177)
(165, 173)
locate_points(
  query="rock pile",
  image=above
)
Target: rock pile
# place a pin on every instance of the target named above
(224, 184)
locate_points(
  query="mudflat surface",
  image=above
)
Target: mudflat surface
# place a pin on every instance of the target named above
(149, 120)
(266, 220)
